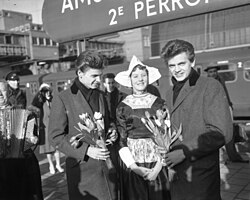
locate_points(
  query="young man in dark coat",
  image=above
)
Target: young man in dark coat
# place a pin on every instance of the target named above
(112, 94)
(113, 97)
(200, 106)
(88, 176)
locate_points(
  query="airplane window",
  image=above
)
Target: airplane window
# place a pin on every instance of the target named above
(246, 67)
(228, 72)
(62, 85)
(33, 88)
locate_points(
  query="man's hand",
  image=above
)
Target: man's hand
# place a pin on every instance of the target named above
(97, 153)
(175, 157)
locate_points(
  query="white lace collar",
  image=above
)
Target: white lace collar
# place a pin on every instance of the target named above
(140, 101)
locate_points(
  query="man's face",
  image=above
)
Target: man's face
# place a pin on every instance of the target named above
(213, 72)
(180, 66)
(91, 78)
(109, 84)
(13, 83)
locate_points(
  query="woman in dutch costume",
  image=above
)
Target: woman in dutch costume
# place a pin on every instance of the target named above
(143, 176)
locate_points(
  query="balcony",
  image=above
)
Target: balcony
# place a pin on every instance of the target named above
(11, 53)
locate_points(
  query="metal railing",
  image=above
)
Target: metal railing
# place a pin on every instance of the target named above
(12, 50)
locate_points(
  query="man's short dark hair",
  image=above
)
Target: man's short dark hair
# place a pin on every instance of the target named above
(89, 59)
(108, 75)
(175, 47)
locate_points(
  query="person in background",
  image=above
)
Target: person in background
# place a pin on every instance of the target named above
(143, 176)
(88, 176)
(113, 97)
(42, 101)
(16, 96)
(212, 71)
(20, 177)
(233, 155)
(112, 94)
(199, 105)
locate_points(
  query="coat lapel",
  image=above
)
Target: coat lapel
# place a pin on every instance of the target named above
(182, 95)
(169, 99)
(81, 105)
(187, 88)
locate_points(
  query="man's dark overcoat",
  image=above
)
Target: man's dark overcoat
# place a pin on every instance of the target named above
(16, 98)
(87, 178)
(113, 99)
(202, 109)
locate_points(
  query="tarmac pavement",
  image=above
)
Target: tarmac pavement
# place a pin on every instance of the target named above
(235, 180)
(54, 186)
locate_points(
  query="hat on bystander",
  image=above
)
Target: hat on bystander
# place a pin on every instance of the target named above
(12, 76)
(212, 66)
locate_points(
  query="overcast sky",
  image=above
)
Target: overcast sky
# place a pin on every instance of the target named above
(33, 7)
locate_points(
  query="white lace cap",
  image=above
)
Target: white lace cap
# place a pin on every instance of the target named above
(123, 78)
